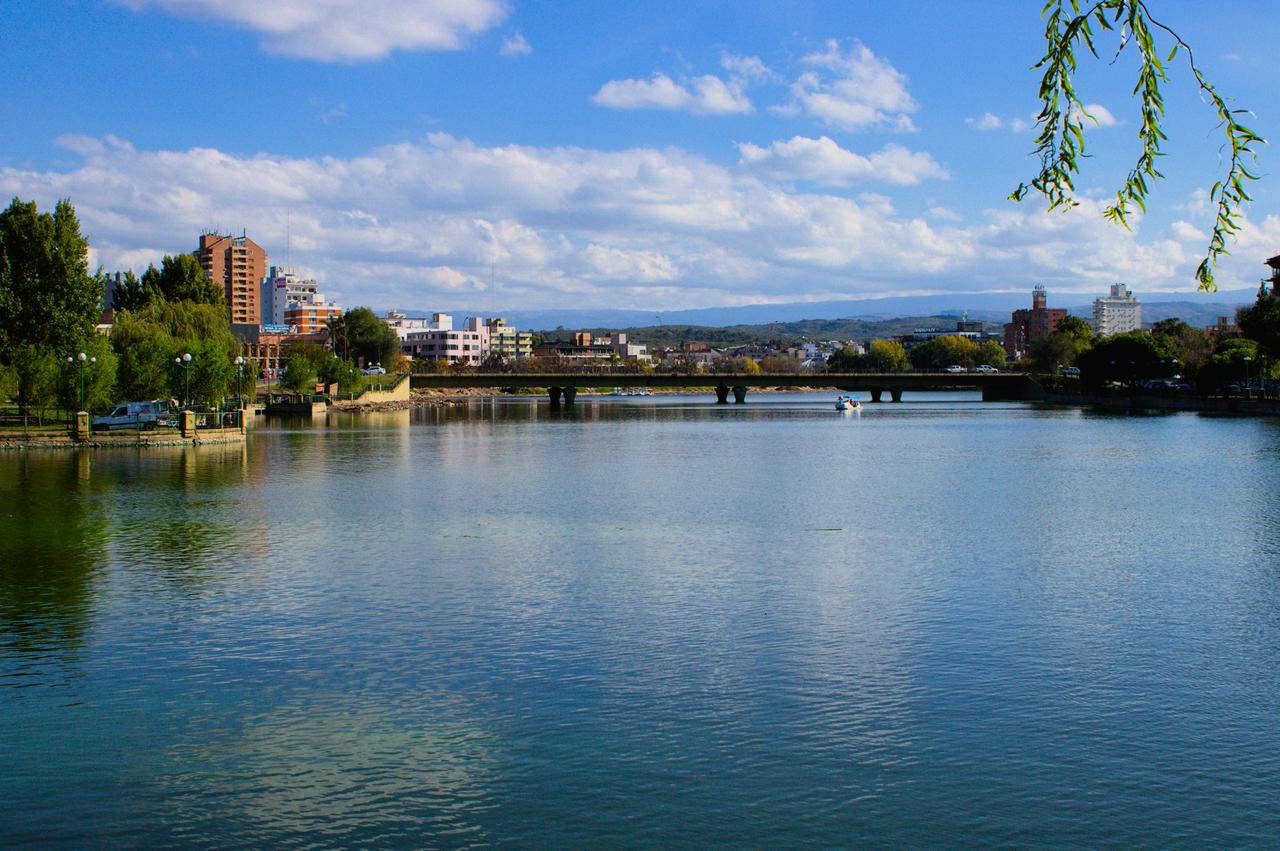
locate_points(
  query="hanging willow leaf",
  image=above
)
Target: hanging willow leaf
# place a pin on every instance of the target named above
(1060, 142)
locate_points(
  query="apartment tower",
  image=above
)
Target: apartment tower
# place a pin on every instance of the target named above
(239, 264)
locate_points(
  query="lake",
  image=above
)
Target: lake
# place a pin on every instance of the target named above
(650, 622)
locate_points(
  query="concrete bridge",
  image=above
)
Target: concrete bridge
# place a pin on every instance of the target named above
(563, 387)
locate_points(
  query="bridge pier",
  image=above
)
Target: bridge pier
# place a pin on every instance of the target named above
(875, 395)
(722, 394)
(554, 393)
(895, 393)
(570, 393)
(740, 393)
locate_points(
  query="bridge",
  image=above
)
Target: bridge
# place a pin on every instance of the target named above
(563, 386)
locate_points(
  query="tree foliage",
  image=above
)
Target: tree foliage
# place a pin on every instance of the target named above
(1261, 322)
(99, 374)
(360, 336)
(182, 278)
(48, 300)
(1070, 24)
(1071, 338)
(1129, 357)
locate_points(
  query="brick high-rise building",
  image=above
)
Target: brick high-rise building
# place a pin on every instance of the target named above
(1030, 325)
(238, 263)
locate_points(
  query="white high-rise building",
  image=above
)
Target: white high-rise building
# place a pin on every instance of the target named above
(1117, 313)
(282, 289)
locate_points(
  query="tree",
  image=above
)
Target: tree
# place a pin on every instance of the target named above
(48, 300)
(846, 360)
(1061, 122)
(887, 356)
(182, 278)
(1126, 358)
(130, 294)
(359, 335)
(1227, 365)
(1070, 339)
(779, 365)
(299, 375)
(1189, 346)
(1261, 322)
(990, 353)
(99, 377)
(942, 352)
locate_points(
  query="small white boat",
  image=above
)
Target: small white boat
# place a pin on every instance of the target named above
(848, 403)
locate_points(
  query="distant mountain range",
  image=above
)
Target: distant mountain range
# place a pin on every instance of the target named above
(1192, 307)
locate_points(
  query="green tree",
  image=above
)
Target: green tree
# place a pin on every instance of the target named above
(182, 278)
(49, 302)
(99, 369)
(299, 374)
(210, 371)
(1228, 365)
(1063, 115)
(1125, 358)
(847, 360)
(942, 352)
(1190, 347)
(360, 336)
(130, 294)
(990, 353)
(887, 356)
(1261, 322)
(1070, 339)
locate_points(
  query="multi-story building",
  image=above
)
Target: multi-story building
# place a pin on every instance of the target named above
(311, 317)
(281, 289)
(508, 343)
(1027, 326)
(469, 346)
(1117, 313)
(238, 263)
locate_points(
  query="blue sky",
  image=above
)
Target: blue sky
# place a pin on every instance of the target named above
(507, 155)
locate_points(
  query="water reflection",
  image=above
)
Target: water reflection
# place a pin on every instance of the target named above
(53, 536)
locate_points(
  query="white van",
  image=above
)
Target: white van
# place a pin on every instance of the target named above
(140, 415)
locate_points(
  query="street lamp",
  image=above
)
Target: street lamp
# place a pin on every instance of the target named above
(240, 387)
(82, 359)
(1247, 393)
(185, 363)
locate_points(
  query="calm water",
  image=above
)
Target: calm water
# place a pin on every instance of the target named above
(650, 623)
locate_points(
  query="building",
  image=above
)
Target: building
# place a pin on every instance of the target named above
(1274, 280)
(403, 325)
(468, 346)
(583, 347)
(508, 343)
(281, 289)
(1117, 313)
(1027, 326)
(239, 264)
(311, 317)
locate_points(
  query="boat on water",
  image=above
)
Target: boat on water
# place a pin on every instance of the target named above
(848, 403)
(634, 391)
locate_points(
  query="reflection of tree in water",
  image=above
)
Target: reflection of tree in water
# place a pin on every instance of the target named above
(52, 543)
(176, 509)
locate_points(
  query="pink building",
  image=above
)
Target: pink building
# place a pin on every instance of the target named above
(469, 346)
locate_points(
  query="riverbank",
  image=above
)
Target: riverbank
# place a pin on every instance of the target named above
(43, 439)
(1154, 402)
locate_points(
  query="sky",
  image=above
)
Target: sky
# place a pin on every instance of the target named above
(507, 155)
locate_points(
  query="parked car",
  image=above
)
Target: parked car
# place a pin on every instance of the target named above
(1071, 370)
(373, 370)
(139, 415)
(955, 367)
(986, 367)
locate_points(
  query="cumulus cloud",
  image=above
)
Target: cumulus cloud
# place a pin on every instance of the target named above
(851, 90)
(1099, 115)
(824, 162)
(420, 224)
(986, 121)
(706, 95)
(515, 45)
(345, 30)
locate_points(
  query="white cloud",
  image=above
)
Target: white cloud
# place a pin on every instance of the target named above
(706, 95)
(1184, 231)
(825, 163)
(986, 121)
(345, 30)
(515, 45)
(748, 68)
(418, 225)
(1098, 115)
(856, 90)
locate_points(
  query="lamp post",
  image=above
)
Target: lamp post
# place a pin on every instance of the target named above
(82, 359)
(185, 363)
(1247, 393)
(240, 385)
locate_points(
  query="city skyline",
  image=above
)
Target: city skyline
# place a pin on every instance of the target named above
(497, 155)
